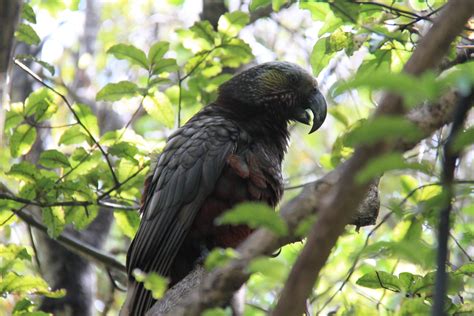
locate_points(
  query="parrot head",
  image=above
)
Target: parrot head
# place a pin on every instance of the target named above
(281, 90)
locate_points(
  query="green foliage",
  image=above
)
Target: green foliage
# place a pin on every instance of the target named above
(153, 282)
(27, 34)
(117, 91)
(167, 81)
(255, 215)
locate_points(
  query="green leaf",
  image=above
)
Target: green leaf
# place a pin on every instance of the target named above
(320, 56)
(409, 186)
(464, 139)
(80, 217)
(38, 103)
(73, 135)
(204, 31)
(255, 215)
(467, 268)
(127, 222)
(414, 306)
(22, 140)
(391, 161)
(131, 53)
(218, 257)
(24, 171)
(276, 4)
(380, 280)
(157, 51)
(22, 306)
(269, 267)
(124, 150)
(407, 280)
(53, 159)
(27, 284)
(44, 64)
(117, 91)
(12, 119)
(159, 107)
(231, 23)
(164, 65)
(255, 4)
(28, 14)
(53, 218)
(153, 282)
(14, 251)
(216, 311)
(383, 128)
(87, 118)
(27, 34)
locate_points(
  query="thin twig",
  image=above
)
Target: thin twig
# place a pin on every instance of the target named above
(41, 81)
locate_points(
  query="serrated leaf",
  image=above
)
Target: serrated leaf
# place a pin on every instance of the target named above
(157, 51)
(153, 282)
(131, 53)
(73, 135)
(22, 140)
(159, 107)
(384, 163)
(87, 117)
(27, 34)
(379, 280)
(127, 222)
(117, 91)
(53, 218)
(53, 159)
(231, 23)
(28, 14)
(255, 215)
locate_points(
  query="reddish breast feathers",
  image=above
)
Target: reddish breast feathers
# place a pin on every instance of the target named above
(242, 180)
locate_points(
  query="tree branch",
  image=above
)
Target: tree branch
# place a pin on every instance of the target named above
(449, 166)
(335, 195)
(74, 244)
(336, 208)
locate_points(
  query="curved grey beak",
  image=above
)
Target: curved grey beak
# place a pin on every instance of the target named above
(317, 105)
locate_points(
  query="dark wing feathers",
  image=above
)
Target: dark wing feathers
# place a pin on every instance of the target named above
(185, 175)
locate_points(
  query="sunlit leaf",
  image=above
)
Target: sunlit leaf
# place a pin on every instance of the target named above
(27, 34)
(232, 22)
(53, 218)
(22, 140)
(127, 222)
(131, 53)
(379, 280)
(255, 4)
(160, 108)
(117, 91)
(53, 159)
(73, 135)
(87, 118)
(157, 51)
(152, 281)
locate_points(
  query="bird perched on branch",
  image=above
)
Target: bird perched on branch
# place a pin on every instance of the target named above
(229, 152)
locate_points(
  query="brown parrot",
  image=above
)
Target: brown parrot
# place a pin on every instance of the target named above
(229, 152)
